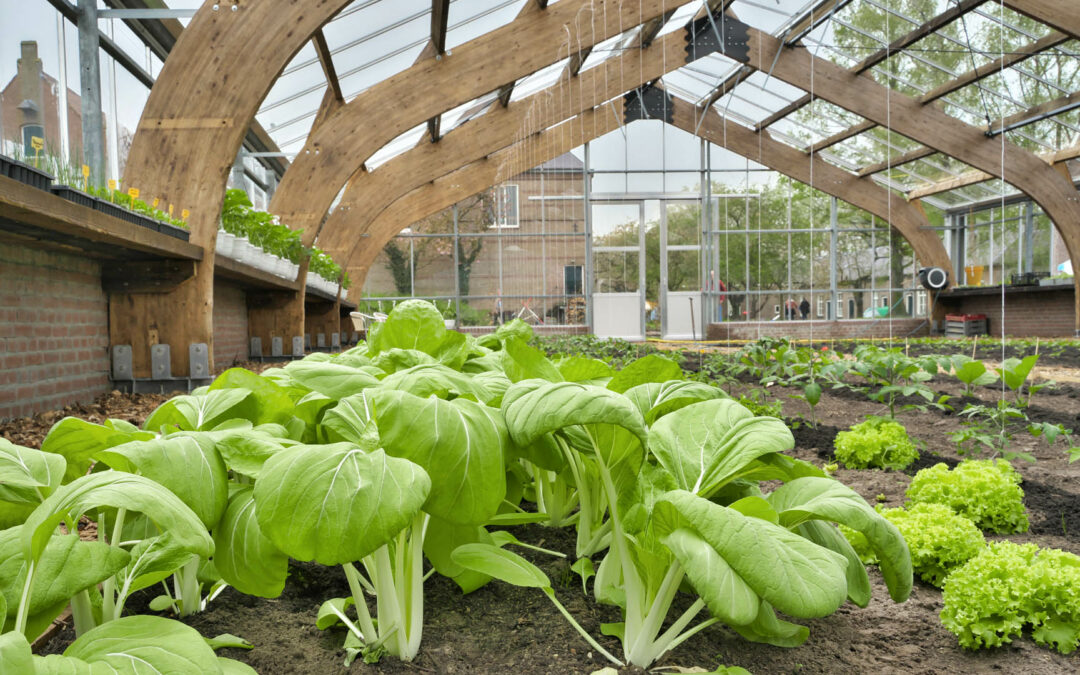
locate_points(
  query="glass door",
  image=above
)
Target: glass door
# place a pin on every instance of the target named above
(681, 297)
(618, 298)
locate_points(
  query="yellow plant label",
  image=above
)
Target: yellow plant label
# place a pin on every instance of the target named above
(37, 142)
(170, 210)
(112, 183)
(86, 170)
(133, 193)
(155, 203)
(184, 214)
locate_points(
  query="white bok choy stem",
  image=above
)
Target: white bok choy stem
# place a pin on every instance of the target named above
(396, 572)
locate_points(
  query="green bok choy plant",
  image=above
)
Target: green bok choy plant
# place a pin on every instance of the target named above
(685, 506)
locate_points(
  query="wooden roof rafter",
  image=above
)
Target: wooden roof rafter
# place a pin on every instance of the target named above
(976, 176)
(326, 60)
(440, 15)
(906, 40)
(1036, 113)
(499, 127)
(1017, 56)
(928, 125)
(1058, 14)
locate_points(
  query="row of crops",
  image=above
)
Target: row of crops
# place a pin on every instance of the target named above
(412, 454)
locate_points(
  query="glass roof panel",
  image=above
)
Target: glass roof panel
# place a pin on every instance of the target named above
(542, 79)
(769, 15)
(397, 146)
(469, 20)
(467, 111)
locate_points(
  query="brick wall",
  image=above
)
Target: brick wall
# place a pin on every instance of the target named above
(1030, 311)
(230, 325)
(54, 330)
(821, 330)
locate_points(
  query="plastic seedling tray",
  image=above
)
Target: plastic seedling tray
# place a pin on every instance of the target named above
(24, 173)
(117, 211)
(72, 195)
(174, 231)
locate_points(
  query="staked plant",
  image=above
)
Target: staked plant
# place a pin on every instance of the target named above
(1014, 373)
(972, 373)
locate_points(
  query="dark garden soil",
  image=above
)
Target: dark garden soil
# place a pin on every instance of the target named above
(503, 629)
(133, 408)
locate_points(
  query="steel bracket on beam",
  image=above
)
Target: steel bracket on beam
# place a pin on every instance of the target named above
(198, 361)
(648, 103)
(160, 362)
(121, 362)
(161, 380)
(719, 33)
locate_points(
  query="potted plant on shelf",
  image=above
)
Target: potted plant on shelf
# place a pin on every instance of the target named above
(1057, 280)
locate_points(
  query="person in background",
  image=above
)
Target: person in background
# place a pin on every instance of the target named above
(804, 308)
(790, 309)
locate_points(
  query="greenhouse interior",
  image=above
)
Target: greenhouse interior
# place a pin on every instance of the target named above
(539, 336)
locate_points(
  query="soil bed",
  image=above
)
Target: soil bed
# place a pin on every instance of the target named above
(503, 629)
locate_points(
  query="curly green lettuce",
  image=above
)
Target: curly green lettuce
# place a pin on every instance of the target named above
(877, 442)
(1009, 588)
(985, 491)
(939, 540)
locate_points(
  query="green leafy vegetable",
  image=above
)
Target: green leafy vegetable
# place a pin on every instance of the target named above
(939, 540)
(984, 491)
(1011, 588)
(877, 442)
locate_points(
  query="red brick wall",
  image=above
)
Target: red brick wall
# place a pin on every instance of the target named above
(823, 330)
(230, 326)
(54, 330)
(1029, 311)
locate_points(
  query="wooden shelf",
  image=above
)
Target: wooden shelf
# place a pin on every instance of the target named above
(247, 276)
(38, 217)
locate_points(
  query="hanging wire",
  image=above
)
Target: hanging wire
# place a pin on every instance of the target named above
(1001, 45)
(888, 172)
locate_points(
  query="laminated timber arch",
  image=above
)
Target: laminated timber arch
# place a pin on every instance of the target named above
(929, 125)
(706, 123)
(368, 193)
(336, 150)
(221, 68)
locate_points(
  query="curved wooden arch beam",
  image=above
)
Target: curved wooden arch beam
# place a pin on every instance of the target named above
(221, 68)
(369, 193)
(468, 180)
(534, 40)
(928, 125)
(863, 193)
